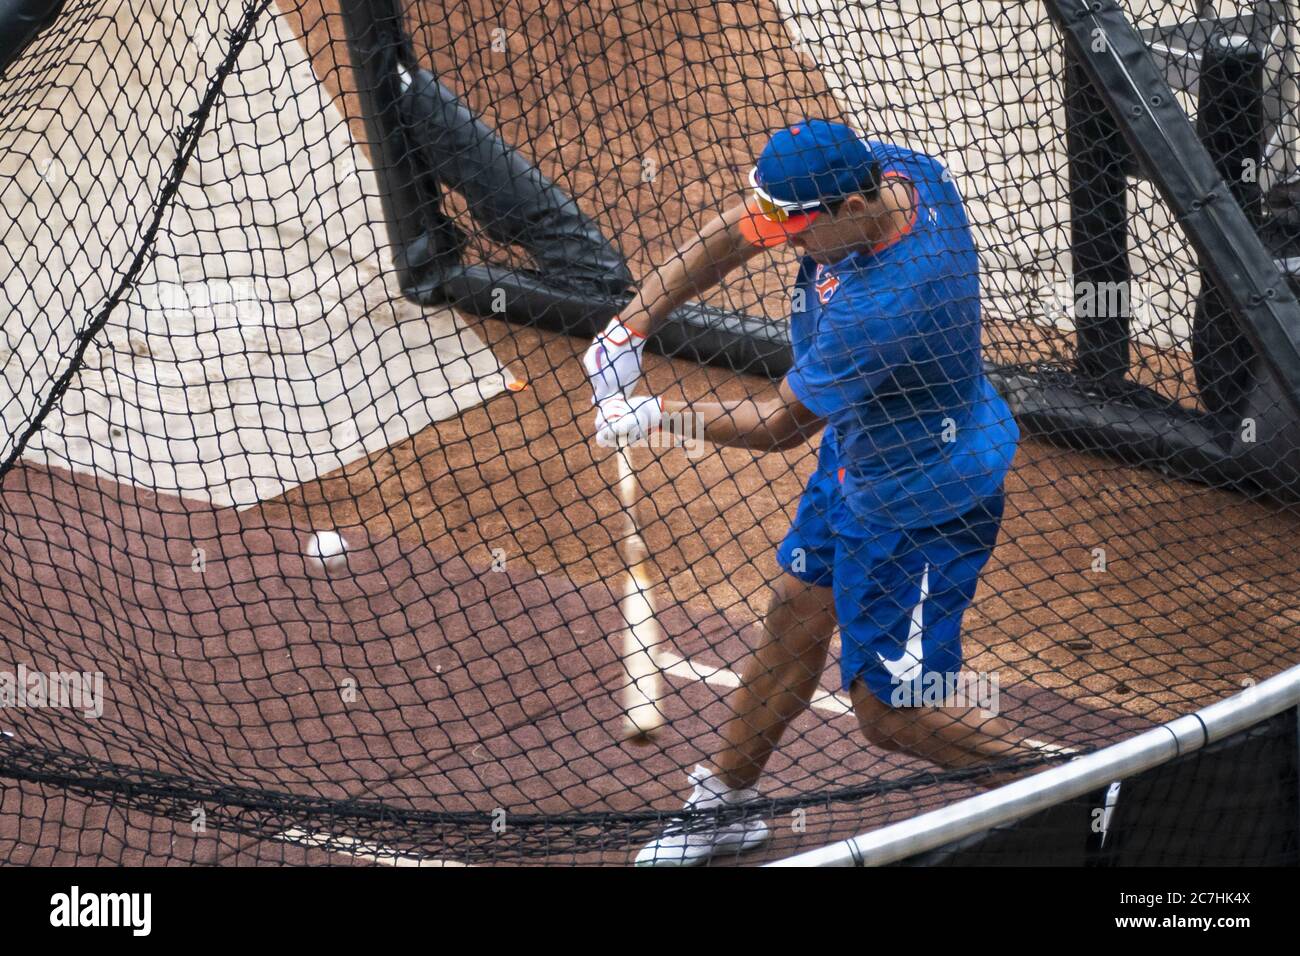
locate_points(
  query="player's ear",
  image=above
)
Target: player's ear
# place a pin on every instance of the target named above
(855, 204)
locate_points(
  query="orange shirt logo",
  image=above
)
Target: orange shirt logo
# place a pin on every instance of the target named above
(825, 285)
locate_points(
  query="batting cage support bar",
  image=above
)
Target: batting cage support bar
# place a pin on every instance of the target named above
(1100, 37)
(1085, 774)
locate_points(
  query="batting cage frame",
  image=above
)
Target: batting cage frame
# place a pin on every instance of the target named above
(1071, 816)
(310, 308)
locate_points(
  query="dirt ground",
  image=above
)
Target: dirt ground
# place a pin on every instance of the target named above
(476, 614)
(593, 92)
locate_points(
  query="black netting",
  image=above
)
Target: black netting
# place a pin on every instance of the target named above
(289, 270)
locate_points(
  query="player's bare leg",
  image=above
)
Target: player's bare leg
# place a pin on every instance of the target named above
(776, 685)
(953, 737)
(778, 680)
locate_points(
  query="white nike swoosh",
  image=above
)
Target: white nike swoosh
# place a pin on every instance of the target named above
(907, 667)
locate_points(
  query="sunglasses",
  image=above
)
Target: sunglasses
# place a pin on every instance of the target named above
(775, 210)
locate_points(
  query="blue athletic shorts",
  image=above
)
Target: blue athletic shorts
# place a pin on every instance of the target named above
(900, 593)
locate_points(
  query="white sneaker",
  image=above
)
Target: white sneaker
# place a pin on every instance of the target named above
(678, 847)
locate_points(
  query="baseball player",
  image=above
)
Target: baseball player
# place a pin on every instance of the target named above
(904, 507)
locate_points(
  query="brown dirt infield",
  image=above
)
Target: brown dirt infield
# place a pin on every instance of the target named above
(477, 689)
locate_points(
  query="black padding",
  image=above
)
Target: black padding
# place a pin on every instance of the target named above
(1230, 122)
(1102, 39)
(20, 22)
(511, 200)
(695, 333)
(1098, 160)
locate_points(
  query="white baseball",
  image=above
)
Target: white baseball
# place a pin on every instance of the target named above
(326, 545)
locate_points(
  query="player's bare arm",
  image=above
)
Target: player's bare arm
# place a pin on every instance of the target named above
(773, 425)
(613, 360)
(696, 267)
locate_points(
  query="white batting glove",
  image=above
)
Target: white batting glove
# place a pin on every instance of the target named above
(613, 361)
(621, 420)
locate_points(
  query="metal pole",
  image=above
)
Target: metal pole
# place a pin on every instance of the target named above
(1024, 797)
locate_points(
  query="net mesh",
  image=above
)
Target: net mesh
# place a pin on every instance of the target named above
(210, 366)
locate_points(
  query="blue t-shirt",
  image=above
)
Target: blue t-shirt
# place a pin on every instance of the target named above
(887, 350)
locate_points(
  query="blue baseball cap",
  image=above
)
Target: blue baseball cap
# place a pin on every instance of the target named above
(802, 168)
